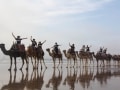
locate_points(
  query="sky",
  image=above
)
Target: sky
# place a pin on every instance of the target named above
(82, 22)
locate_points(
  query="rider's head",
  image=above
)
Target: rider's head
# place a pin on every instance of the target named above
(39, 42)
(18, 36)
(55, 43)
(33, 39)
(83, 45)
(72, 44)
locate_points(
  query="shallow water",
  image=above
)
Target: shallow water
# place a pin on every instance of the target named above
(77, 78)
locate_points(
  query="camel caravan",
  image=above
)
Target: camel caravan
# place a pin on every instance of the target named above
(35, 53)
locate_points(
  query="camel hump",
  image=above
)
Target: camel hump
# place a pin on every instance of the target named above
(21, 48)
(18, 47)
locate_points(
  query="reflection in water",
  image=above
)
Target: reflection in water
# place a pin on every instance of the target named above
(55, 80)
(35, 83)
(85, 76)
(72, 78)
(102, 75)
(36, 80)
(13, 85)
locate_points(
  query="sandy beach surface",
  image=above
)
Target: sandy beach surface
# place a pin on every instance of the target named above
(74, 78)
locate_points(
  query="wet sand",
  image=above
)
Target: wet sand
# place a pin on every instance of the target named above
(80, 78)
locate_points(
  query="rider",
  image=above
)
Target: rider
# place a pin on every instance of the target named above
(56, 48)
(72, 50)
(34, 43)
(18, 43)
(40, 44)
(105, 50)
(83, 48)
(87, 49)
(101, 50)
(18, 39)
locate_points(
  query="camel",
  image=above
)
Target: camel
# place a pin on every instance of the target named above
(14, 54)
(116, 58)
(102, 75)
(70, 79)
(102, 57)
(85, 77)
(70, 57)
(40, 57)
(55, 56)
(98, 58)
(32, 54)
(55, 80)
(85, 56)
(36, 80)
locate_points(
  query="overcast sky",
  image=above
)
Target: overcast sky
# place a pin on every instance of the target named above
(89, 22)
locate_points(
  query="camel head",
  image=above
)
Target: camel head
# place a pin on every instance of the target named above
(76, 52)
(48, 49)
(64, 51)
(2, 45)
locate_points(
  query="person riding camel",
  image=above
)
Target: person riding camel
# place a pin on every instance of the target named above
(101, 50)
(18, 39)
(55, 48)
(40, 44)
(88, 48)
(34, 43)
(105, 50)
(72, 49)
(17, 45)
(83, 48)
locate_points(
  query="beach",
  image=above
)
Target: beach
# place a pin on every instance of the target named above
(71, 78)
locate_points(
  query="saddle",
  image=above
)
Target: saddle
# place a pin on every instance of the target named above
(18, 47)
(71, 52)
(56, 53)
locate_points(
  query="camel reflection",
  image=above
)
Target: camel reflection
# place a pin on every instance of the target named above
(36, 80)
(70, 78)
(85, 76)
(102, 75)
(13, 84)
(34, 83)
(55, 80)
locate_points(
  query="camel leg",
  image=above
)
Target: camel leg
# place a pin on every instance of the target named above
(22, 64)
(44, 63)
(27, 63)
(59, 63)
(86, 62)
(93, 62)
(15, 64)
(103, 63)
(67, 63)
(38, 63)
(34, 66)
(32, 61)
(70, 64)
(74, 64)
(10, 63)
(80, 62)
(97, 63)
(54, 63)
(41, 64)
